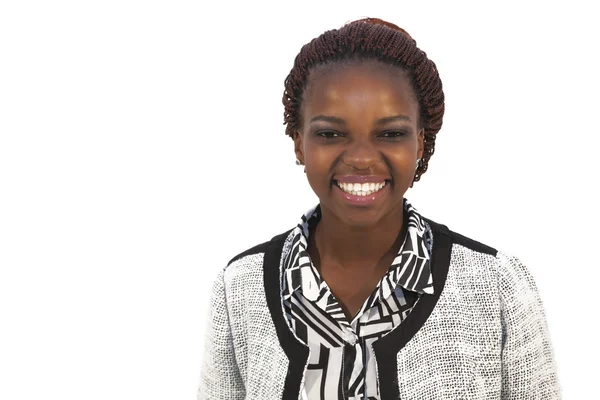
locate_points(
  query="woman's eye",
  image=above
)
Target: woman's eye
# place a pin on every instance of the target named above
(393, 134)
(329, 134)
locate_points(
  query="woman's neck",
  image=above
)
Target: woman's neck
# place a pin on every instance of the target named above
(350, 247)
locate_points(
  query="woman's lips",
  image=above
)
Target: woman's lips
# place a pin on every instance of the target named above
(363, 199)
(360, 178)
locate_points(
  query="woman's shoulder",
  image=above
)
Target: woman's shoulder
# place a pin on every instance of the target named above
(252, 259)
(510, 272)
(455, 238)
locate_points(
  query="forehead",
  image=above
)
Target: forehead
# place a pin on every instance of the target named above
(357, 88)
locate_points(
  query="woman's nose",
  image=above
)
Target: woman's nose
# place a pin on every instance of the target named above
(361, 154)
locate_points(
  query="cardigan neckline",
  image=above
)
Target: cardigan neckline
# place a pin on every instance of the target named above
(386, 349)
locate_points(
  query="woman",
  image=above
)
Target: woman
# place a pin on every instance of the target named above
(366, 298)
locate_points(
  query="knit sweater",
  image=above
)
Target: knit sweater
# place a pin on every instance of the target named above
(482, 334)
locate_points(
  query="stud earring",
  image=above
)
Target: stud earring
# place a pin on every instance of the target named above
(418, 162)
(298, 162)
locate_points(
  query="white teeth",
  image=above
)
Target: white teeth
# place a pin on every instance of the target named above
(361, 189)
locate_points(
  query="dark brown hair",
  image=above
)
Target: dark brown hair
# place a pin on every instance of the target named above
(371, 39)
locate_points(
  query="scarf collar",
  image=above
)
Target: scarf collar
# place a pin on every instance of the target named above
(410, 268)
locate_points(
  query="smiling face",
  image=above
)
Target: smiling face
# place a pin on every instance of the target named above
(359, 140)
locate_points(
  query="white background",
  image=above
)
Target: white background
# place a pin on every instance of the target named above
(142, 146)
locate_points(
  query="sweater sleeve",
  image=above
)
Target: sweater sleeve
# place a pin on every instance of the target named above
(528, 366)
(220, 377)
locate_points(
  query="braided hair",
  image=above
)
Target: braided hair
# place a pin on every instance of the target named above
(371, 39)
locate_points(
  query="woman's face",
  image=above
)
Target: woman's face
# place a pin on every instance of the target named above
(359, 140)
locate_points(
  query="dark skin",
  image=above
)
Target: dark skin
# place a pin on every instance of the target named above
(374, 131)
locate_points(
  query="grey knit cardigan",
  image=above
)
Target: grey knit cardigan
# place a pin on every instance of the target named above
(481, 335)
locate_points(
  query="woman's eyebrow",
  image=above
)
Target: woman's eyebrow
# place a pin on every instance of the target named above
(393, 118)
(341, 121)
(328, 118)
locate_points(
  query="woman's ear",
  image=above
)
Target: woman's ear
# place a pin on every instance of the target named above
(298, 148)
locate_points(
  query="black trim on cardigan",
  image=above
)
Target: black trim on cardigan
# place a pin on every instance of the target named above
(259, 248)
(473, 244)
(296, 351)
(386, 349)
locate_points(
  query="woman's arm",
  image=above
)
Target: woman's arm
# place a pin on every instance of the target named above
(220, 378)
(528, 367)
